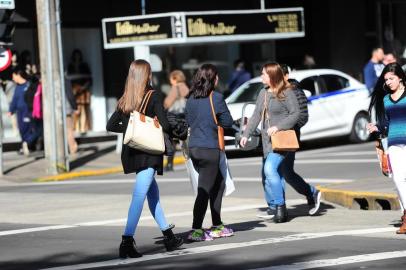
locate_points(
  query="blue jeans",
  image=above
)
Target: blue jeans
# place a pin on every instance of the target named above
(145, 186)
(296, 181)
(274, 184)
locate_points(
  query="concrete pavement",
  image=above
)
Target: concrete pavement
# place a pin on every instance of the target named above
(100, 158)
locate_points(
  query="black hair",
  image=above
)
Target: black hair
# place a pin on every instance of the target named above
(239, 63)
(76, 52)
(381, 90)
(285, 69)
(203, 81)
(21, 71)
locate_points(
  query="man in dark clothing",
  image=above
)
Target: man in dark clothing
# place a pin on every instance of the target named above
(287, 166)
(373, 68)
(239, 76)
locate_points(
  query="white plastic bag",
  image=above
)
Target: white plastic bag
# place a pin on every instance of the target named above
(224, 169)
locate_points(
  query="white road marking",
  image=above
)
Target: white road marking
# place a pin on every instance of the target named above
(212, 248)
(338, 261)
(315, 161)
(122, 220)
(352, 153)
(161, 180)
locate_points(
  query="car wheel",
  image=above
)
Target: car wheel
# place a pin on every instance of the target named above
(359, 132)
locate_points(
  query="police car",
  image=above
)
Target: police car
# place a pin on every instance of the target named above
(337, 103)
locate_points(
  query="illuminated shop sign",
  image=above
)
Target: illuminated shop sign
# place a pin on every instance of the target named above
(202, 27)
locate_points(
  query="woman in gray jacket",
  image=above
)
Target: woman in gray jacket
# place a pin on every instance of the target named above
(278, 109)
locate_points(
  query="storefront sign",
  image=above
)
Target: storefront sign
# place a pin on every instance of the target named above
(142, 30)
(202, 27)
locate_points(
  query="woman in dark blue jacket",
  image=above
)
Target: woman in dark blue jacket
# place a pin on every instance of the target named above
(204, 151)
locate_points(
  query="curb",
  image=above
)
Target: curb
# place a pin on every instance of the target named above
(361, 200)
(71, 175)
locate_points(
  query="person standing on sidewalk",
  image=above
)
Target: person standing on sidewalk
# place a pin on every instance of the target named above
(373, 68)
(205, 153)
(389, 101)
(278, 109)
(145, 165)
(297, 182)
(175, 103)
(19, 106)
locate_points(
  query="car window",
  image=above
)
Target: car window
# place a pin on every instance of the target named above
(334, 82)
(248, 94)
(309, 84)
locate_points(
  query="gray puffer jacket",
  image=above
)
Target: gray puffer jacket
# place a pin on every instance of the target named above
(283, 113)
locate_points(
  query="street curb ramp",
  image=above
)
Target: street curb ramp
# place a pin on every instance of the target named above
(360, 200)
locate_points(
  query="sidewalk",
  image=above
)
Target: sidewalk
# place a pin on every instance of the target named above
(95, 157)
(99, 158)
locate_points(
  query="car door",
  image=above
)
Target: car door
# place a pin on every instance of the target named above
(333, 100)
(314, 125)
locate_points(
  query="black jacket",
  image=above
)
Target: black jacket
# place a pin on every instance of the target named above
(135, 160)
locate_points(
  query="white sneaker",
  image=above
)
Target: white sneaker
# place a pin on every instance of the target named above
(269, 214)
(315, 208)
(26, 151)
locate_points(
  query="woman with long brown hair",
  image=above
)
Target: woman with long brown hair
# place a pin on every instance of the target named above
(145, 165)
(278, 109)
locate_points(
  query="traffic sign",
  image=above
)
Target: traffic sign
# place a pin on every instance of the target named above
(7, 4)
(5, 58)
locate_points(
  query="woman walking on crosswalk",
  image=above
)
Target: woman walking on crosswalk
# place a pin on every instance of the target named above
(389, 102)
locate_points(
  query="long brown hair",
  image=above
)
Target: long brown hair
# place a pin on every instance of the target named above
(135, 86)
(276, 79)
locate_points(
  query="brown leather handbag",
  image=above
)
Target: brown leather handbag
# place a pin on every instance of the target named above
(282, 140)
(220, 129)
(383, 158)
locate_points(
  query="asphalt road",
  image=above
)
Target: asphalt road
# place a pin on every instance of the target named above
(77, 224)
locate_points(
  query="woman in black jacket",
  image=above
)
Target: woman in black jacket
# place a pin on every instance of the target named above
(143, 164)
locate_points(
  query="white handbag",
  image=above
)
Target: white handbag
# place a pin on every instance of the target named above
(143, 132)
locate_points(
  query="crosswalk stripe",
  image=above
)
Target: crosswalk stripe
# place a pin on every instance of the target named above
(213, 248)
(338, 261)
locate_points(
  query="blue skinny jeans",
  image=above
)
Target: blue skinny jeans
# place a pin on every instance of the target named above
(274, 185)
(292, 178)
(145, 186)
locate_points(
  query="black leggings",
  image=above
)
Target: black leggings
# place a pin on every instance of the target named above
(211, 185)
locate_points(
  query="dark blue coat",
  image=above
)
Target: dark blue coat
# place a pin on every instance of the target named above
(203, 129)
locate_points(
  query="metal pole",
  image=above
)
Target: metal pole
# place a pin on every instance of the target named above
(62, 76)
(262, 4)
(54, 136)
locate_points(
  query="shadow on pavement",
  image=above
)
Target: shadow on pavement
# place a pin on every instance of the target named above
(96, 153)
(23, 164)
(301, 210)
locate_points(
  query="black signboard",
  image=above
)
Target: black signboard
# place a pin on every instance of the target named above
(271, 22)
(203, 27)
(136, 30)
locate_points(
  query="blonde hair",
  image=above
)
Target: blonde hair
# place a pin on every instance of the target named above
(135, 86)
(178, 76)
(276, 78)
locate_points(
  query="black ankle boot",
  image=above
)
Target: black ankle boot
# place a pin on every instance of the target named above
(171, 241)
(127, 248)
(281, 214)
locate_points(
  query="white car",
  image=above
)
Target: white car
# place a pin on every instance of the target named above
(337, 103)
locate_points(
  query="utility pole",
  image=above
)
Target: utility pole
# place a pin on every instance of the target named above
(53, 84)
